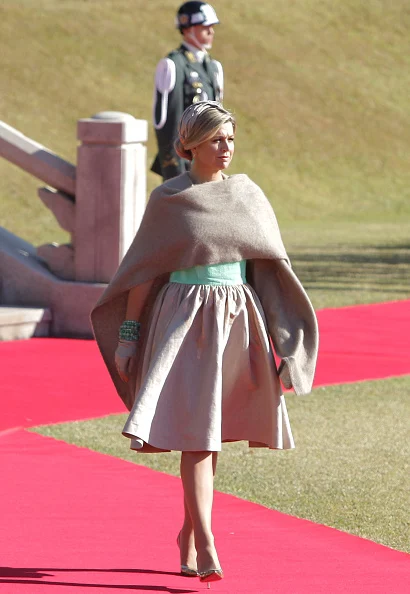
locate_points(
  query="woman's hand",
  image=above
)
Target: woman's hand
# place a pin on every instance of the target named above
(124, 358)
(126, 349)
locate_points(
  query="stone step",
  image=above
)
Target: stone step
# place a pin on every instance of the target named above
(17, 323)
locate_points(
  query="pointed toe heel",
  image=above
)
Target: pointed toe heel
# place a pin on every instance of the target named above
(186, 571)
(212, 575)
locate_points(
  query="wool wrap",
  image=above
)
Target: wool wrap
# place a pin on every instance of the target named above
(187, 224)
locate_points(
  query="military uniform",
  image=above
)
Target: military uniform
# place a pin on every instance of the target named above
(185, 76)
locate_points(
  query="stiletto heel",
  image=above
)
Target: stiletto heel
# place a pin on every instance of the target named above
(212, 575)
(186, 571)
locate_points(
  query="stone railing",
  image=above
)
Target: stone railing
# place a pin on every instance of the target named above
(100, 202)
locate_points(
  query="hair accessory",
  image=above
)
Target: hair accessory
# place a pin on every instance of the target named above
(130, 330)
(197, 108)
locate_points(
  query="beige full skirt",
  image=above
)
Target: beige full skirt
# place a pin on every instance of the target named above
(208, 374)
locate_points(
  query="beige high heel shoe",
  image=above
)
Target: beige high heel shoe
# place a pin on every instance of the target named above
(186, 571)
(212, 575)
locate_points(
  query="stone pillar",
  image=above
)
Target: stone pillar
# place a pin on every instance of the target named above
(110, 192)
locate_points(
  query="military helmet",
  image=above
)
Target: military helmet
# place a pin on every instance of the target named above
(195, 13)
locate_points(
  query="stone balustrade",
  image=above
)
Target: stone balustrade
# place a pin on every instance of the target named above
(99, 202)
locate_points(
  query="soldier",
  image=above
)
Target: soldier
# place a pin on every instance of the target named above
(187, 75)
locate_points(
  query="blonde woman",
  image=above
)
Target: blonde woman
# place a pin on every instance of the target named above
(187, 324)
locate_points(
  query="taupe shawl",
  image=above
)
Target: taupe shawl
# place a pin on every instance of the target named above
(187, 225)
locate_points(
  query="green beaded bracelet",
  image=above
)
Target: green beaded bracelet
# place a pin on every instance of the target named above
(130, 330)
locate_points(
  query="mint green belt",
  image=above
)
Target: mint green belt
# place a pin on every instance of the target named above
(228, 273)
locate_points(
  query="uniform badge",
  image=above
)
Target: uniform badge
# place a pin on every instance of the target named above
(190, 57)
(183, 19)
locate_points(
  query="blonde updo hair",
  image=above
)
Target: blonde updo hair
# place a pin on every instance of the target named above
(200, 122)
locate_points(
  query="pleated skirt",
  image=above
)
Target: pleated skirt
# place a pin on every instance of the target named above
(208, 374)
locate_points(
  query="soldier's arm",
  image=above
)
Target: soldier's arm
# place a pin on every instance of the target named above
(168, 108)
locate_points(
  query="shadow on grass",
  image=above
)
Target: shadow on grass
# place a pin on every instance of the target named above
(34, 576)
(379, 268)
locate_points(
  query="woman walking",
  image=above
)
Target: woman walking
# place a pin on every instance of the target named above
(187, 324)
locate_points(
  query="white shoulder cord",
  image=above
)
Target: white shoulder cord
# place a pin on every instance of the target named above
(165, 77)
(220, 78)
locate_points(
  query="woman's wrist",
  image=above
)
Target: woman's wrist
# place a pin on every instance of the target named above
(130, 330)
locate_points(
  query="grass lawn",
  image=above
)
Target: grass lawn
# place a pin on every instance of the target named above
(351, 263)
(320, 89)
(350, 468)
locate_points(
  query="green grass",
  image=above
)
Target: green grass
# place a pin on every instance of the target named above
(320, 88)
(350, 468)
(348, 264)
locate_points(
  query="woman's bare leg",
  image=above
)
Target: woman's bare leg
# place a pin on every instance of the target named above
(214, 462)
(197, 473)
(187, 541)
(186, 538)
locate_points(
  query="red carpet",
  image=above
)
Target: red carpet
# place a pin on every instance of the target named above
(364, 342)
(46, 380)
(76, 521)
(55, 380)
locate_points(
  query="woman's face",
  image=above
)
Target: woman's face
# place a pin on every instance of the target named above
(216, 153)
